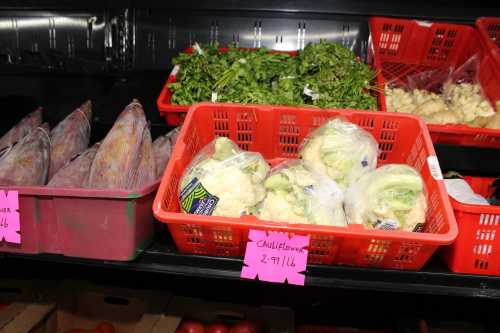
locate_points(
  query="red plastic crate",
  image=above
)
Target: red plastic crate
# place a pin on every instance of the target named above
(406, 47)
(489, 32)
(85, 223)
(276, 132)
(477, 248)
(175, 114)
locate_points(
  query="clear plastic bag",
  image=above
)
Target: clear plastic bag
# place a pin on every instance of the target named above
(27, 162)
(223, 180)
(464, 96)
(75, 173)
(392, 197)
(70, 137)
(21, 129)
(340, 150)
(162, 147)
(297, 195)
(119, 153)
(420, 94)
(443, 96)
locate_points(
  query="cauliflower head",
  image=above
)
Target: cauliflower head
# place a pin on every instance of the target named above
(340, 150)
(392, 197)
(297, 195)
(224, 174)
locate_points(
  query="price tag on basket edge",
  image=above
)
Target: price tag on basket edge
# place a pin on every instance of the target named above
(275, 257)
(10, 224)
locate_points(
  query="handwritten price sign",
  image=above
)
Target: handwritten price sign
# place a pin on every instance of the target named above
(9, 217)
(275, 257)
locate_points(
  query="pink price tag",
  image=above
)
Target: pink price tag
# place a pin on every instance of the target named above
(9, 217)
(275, 257)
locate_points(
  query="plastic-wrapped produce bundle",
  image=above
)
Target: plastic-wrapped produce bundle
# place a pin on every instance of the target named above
(70, 137)
(118, 155)
(27, 162)
(341, 150)
(296, 195)
(223, 180)
(75, 173)
(391, 197)
(22, 128)
(162, 148)
(145, 172)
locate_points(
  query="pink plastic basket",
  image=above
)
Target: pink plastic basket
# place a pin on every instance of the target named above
(85, 223)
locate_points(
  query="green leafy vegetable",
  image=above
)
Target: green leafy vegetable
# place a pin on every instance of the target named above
(324, 74)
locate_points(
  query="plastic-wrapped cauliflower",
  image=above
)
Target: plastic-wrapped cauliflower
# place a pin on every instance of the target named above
(466, 100)
(296, 195)
(391, 197)
(223, 180)
(341, 150)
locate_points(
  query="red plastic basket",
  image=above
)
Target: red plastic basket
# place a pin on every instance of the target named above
(477, 248)
(85, 223)
(407, 47)
(175, 114)
(489, 32)
(276, 132)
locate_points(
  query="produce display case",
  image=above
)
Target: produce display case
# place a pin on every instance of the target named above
(57, 53)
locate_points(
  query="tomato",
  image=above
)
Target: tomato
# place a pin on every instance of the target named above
(217, 328)
(246, 326)
(190, 326)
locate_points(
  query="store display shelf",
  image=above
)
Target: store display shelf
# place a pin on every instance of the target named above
(434, 279)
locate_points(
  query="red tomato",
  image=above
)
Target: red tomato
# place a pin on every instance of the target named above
(217, 328)
(191, 326)
(246, 326)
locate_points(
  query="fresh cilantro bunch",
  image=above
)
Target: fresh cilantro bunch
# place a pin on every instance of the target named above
(334, 77)
(324, 74)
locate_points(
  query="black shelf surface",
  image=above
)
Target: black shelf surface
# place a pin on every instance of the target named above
(162, 259)
(442, 9)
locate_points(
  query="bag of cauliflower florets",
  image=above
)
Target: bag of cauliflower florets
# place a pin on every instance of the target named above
(340, 150)
(223, 180)
(392, 197)
(297, 195)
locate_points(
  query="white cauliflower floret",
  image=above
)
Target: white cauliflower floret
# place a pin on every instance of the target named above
(465, 100)
(460, 103)
(297, 195)
(233, 187)
(277, 208)
(398, 100)
(391, 197)
(340, 150)
(234, 177)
